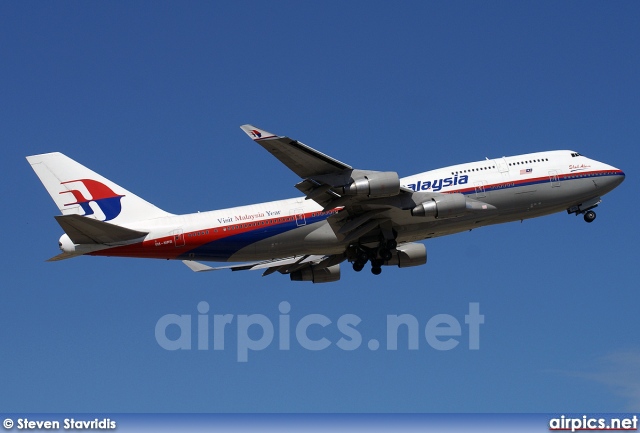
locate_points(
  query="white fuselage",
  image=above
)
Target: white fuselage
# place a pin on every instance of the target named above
(520, 187)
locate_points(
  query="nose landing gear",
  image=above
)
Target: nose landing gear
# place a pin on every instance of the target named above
(586, 209)
(589, 216)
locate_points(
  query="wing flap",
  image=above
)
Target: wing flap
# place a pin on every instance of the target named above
(284, 265)
(359, 220)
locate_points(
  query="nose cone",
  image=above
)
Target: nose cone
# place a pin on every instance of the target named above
(613, 177)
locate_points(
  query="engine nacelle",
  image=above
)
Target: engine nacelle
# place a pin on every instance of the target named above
(321, 275)
(376, 184)
(408, 255)
(444, 206)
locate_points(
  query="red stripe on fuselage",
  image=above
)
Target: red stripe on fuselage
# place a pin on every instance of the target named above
(173, 246)
(519, 182)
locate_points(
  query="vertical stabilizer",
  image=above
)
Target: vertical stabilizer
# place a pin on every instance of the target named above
(77, 190)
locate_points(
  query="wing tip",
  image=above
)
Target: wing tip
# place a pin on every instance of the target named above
(256, 133)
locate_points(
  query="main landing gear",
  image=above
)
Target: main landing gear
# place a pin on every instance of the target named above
(377, 256)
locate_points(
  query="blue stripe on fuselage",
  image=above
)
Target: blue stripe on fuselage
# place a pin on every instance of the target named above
(565, 177)
(223, 248)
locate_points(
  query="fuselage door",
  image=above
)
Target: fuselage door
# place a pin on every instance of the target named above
(502, 165)
(553, 178)
(300, 218)
(178, 238)
(480, 191)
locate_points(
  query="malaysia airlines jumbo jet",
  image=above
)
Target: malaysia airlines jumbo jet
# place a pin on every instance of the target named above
(361, 216)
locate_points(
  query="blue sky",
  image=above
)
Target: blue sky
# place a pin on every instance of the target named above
(151, 95)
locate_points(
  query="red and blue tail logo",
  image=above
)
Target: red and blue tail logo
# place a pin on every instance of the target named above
(107, 200)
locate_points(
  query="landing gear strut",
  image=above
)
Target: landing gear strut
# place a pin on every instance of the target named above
(386, 249)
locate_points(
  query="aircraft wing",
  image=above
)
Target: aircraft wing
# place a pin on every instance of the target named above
(323, 176)
(300, 158)
(284, 265)
(372, 204)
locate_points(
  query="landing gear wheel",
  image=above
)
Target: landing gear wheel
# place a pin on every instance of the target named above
(376, 266)
(358, 266)
(589, 216)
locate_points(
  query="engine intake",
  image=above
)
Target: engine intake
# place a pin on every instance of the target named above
(317, 275)
(377, 184)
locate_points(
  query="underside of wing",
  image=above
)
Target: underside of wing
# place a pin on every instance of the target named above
(300, 268)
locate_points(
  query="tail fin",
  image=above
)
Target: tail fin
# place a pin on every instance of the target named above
(77, 190)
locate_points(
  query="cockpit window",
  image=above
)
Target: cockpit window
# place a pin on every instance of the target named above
(575, 154)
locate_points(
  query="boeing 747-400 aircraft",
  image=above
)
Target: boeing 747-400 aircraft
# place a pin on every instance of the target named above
(361, 216)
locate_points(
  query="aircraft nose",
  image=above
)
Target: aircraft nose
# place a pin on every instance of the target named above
(618, 175)
(614, 178)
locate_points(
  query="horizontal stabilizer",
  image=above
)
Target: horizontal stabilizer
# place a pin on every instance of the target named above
(83, 230)
(63, 256)
(197, 267)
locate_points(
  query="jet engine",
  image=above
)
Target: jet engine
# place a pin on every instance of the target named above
(444, 206)
(450, 206)
(408, 255)
(375, 184)
(317, 275)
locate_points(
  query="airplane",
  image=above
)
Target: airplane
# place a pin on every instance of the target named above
(345, 214)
